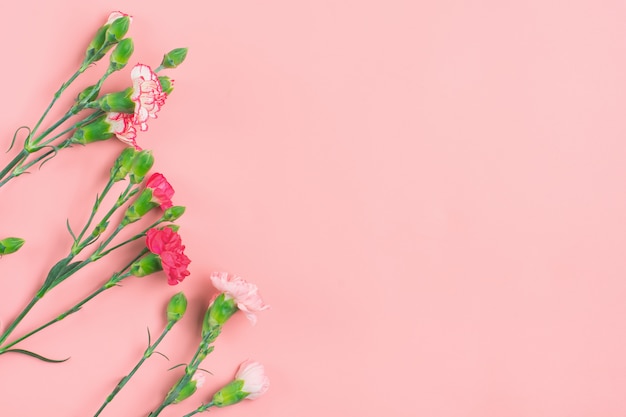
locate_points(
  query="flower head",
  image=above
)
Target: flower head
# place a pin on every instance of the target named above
(122, 127)
(250, 382)
(242, 292)
(147, 94)
(168, 245)
(116, 15)
(162, 191)
(255, 382)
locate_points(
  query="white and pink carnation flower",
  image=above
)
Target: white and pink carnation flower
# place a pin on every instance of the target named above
(245, 294)
(147, 94)
(255, 382)
(122, 127)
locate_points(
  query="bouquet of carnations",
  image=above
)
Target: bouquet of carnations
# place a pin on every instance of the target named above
(145, 200)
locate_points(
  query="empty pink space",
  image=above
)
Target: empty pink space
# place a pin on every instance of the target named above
(430, 195)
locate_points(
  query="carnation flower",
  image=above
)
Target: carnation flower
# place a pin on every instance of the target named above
(255, 382)
(242, 292)
(122, 127)
(116, 15)
(162, 191)
(168, 245)
(147, 94)
(250, 382)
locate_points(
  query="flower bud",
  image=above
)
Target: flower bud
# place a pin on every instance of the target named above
(118, 29)
(167, 84)
(174, 58)
(119, 102)
(147, 265)
(220, 310)
(97, 130)
(141, 165)
(10, 245)
(88, 94)
(176, 307)
(121, 54)
(94, 49)
(173, 213)
(123, 164)
(139, 208)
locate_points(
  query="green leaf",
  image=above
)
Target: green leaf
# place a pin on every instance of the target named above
(36, 356)
(69, 229)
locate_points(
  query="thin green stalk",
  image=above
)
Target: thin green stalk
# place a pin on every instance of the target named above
(190, 370)
(18, 319)
(19, 158)
(54, 99)
(115, 279)
(132, 239)
(95, 208)
(200, 409)
(147, 353)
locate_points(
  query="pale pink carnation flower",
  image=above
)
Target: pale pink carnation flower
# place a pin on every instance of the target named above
(255, 382)
(122, 127)
(116, 15)
(147, 94)
(199, 378)
(245, 294)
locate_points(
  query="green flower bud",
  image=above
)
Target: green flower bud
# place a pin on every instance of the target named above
(230, 394)
(97, 130)
(10, 245)
(176, 307)
(123, 164)
(99, 229)
(190, 387)
(218, 313)
(147, 265)
(118, 29)
(167, 84)
(174, 58)
(121, 54)
(88, 94)
(141, 165)
(139, 208)
(119, 102)
(93, 52)
(173, 213)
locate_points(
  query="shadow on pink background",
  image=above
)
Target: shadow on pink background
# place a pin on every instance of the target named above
(431, 196)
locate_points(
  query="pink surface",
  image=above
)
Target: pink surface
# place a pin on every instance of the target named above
(431, 196)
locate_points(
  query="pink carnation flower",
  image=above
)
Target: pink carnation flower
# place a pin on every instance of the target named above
(147, 94)
(122, 127)
(245, 294)
(116, 15)
(255, 382)
(168, 245)
(162, 191)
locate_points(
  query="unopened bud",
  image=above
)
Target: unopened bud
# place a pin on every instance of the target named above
(123, 164)
(176, 307)
(141, 165)
(10, 245)
(173, 213)
(121, 54)
(174, 58)
(118, 29)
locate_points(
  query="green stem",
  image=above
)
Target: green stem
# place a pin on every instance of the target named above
(54, 99)
(20, 157)
(200, 409)
(132, 239)
(115, 279)
(147, 353)
(95, 208)
(201, 353)
(19, 318)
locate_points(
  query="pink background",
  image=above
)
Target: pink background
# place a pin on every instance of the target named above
(431, 196)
